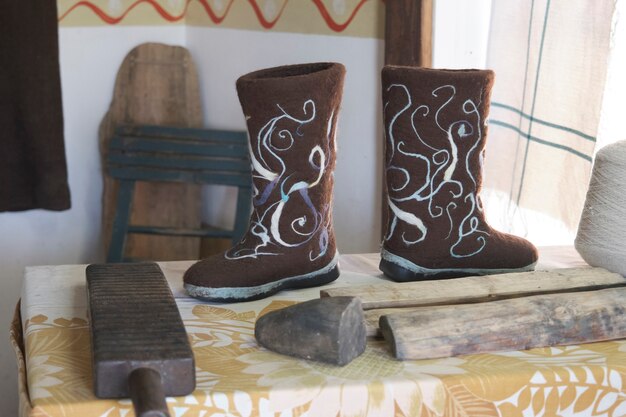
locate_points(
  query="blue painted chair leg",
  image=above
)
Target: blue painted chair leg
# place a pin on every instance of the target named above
(242, 215)
(120, 223)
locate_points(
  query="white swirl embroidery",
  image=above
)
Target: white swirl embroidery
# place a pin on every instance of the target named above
(438, 167)
(264, 237)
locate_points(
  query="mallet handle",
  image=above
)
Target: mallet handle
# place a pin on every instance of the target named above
(146, 392)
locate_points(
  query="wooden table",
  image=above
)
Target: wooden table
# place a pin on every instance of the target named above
(237, 378)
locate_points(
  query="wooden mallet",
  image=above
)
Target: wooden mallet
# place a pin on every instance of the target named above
(139, 344)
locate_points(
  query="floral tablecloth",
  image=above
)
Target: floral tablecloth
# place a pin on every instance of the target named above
(235, 377)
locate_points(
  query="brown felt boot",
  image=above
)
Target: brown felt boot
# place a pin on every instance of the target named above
(435, 132)
(291, 113)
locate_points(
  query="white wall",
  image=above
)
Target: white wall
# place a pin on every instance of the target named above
(461, 31)
(89, 58)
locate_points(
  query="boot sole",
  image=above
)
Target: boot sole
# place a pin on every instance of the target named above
(402, 270)
(238, 294)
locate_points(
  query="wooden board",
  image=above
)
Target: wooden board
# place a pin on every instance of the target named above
(478, 289)
(515, 324)
(135, 323)
(156, 84)
(372, 318)
(408, 32)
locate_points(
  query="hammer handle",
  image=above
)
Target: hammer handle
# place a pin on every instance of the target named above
(146, 392)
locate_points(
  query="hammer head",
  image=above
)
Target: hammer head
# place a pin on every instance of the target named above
(330, 329)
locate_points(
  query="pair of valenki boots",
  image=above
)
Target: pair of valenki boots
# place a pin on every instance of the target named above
(435, 134)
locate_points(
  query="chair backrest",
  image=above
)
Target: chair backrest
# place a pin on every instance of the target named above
(177, 154)
(158, 153)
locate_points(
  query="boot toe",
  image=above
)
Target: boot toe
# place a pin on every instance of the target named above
(193, 275)
(527, 252)
(511, 252)
(201, 274)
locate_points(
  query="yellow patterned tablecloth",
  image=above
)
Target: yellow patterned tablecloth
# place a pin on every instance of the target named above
(237, 378)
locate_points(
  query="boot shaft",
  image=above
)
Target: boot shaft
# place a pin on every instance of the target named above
(291, 113)
(441, 116)
(435, 134)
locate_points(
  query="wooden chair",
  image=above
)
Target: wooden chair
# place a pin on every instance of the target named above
(159, 153)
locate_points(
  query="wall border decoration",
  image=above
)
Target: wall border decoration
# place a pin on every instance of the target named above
(361, 18)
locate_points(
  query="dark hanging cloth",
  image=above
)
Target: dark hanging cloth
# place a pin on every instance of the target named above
(33, 172)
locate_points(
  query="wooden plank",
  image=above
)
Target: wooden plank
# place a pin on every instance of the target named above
(185, 133)
(198, 177)
(204, 232)
(408, 32)
(180, 162)
(156, 84)
(479, 288)
(145, 144)
(426, 34)
(117, 243)
(515, 324)
(243, 210)
(372, 319)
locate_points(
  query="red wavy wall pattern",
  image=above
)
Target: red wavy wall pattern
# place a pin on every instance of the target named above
(266, 23)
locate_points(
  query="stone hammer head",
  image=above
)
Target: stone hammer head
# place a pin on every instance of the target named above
(329, 329)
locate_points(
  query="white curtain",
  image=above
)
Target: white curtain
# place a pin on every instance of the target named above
(551, 59)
